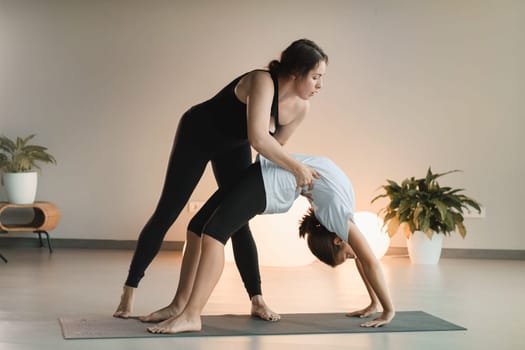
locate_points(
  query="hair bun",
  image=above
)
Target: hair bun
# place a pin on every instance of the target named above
(274, 66)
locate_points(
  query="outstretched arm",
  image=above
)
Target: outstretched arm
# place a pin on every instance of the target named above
(372, 274)
(372, 308)
(259, 100)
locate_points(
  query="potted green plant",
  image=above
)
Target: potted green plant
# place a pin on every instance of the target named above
(18, 161)
(426, 212)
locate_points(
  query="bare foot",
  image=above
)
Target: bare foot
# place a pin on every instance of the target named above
(125, 307)
(161, 315)
(261, 310)
(177, 325)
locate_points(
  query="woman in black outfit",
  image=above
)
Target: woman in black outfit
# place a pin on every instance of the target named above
(260, 109)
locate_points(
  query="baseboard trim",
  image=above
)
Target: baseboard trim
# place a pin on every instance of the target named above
(27, 242)
(450, 253)
(455, 253)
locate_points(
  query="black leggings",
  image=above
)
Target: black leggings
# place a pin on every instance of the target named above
(196, 143)
(231, 207)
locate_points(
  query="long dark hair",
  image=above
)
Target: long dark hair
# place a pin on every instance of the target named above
(319, 239)
(298, 59)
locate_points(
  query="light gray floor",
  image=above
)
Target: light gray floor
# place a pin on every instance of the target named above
(36, 288)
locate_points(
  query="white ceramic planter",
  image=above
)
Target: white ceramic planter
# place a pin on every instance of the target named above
(423, 250)
(21, 187)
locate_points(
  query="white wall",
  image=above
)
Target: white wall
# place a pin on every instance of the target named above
(410, 84)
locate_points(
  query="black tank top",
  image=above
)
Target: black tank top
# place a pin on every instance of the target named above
(228, 113)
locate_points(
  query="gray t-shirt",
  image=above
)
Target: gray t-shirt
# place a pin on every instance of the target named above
(332, 196)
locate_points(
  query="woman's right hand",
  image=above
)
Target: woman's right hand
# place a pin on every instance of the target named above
(305, 175)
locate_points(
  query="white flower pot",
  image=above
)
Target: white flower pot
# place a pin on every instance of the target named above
(21, 187)
(423, 250)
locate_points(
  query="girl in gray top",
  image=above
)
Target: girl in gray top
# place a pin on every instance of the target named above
(266, 188)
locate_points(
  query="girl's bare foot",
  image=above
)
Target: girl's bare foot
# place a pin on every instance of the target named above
(261, 310)
(125, 307)
(177, 325)
(160, 315)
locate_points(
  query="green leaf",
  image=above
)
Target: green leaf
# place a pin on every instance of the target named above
(393, 184)
(424, 223)
(394, 203)
(7, 145)
(442, 208)
(393, 226)
(28, 138)
(411, 225)
(462, 230)
(377, 197)
(429, 177)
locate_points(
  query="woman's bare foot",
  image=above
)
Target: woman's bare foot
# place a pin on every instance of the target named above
(177, 325)
(125, 307)
(161, 315)
(261, 310)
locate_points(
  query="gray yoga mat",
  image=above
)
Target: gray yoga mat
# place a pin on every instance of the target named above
(244, 325)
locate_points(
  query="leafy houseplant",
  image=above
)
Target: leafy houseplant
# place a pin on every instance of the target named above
(18, 159)
(423, 205)
(17, 156)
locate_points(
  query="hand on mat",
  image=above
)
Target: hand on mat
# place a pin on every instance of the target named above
(385, 318)
(366, 312)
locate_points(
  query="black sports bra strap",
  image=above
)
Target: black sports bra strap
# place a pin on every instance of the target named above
(275, 102)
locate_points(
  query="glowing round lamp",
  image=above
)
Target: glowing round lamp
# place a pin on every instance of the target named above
(277, 238)
(372, 228)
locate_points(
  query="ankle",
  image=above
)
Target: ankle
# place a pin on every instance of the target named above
(191, 315)
(128, 292)
(257, 300)
(178, 303)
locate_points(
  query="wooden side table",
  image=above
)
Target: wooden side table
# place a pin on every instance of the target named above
(46, 217)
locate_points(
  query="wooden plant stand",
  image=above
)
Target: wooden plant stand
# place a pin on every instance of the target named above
(46, 218)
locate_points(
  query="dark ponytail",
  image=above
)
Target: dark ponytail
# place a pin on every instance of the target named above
(319, 239)
(299, 58)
